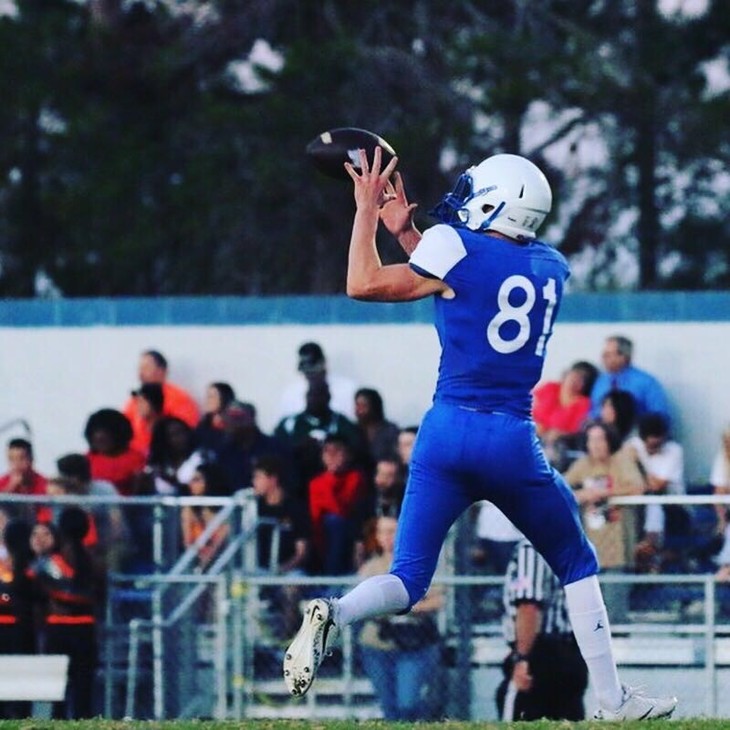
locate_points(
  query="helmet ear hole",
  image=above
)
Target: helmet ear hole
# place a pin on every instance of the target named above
(504, 193)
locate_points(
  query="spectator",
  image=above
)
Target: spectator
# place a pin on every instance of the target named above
(335, 502)
(401, 654)
(312, 365)
(209, 431)
(244, 442)
(284, 522)
(723, 560)
(496, 539)
(544, 674)
(21, 477)
(560, 408)
(720, 479)
(380, 435)
(305, 432)
(44, 539)
(66, 579)
(108, 519)
(384, 500)
(63, 487)
(618, 409)
(149, 405)
(153, 368)
(277, 505)
(17, 634)
(5, 517)
(605, 471)
(406, 442)
(620, 374)
(108, 434)
(172, 458)
(662, 461)
(207, 480)
(389, 488)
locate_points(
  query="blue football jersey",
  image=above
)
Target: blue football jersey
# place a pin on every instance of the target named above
(494, 331)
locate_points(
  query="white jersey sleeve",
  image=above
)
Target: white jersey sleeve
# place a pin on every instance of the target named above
(438, 251)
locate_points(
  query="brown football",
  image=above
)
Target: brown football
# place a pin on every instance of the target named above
(330, 150)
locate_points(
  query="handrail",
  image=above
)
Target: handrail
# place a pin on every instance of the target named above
(187, 558)
(17, 421)
(240, 497)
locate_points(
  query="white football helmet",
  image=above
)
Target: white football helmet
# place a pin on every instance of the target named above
(505, 193)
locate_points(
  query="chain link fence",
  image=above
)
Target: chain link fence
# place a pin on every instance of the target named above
(177, 641)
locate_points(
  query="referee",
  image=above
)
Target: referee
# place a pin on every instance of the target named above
(544, 673)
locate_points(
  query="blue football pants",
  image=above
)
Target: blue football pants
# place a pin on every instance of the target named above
(462, 456)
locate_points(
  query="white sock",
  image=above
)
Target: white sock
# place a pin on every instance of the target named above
(376, 596)
(592, 631)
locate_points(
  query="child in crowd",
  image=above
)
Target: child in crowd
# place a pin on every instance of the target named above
(335, 500)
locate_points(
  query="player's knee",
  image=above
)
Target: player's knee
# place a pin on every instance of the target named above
(415, 586)
(581, 564)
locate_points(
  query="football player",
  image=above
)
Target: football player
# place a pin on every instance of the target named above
(497, 290)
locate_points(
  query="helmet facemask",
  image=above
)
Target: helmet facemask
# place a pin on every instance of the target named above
(451, 209)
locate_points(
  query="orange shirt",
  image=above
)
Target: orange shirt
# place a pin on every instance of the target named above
(176, 402)
(45, 515)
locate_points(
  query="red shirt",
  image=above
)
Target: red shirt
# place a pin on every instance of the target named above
(120, 470)
(37, 485)
(549, 413)
(337, 494)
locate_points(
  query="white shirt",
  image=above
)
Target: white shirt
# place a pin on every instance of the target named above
(493, 525)
(667, 464)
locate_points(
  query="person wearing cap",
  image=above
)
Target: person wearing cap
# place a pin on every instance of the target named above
(176, 400)
(312, 364)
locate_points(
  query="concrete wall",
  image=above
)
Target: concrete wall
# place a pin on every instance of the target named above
(63, 360)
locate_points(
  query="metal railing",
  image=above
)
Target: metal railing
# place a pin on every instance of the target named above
(234, 635)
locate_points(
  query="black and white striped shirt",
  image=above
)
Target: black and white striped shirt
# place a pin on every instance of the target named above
(529, 579)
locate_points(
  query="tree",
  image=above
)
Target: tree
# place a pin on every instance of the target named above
(137, 162)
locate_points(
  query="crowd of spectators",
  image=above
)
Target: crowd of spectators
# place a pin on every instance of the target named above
(331, 476)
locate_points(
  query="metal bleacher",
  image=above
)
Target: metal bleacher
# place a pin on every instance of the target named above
(178, 642)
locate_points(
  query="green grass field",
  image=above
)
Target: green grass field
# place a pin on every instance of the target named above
(685, 724)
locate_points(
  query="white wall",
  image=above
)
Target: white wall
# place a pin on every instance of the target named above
(55, 377)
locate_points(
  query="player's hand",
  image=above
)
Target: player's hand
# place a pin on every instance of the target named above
(396, 212)
(370, 184)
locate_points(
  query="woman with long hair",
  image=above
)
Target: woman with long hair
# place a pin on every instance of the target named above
(65, 580)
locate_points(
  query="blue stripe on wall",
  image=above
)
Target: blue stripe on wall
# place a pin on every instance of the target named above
(169, 311)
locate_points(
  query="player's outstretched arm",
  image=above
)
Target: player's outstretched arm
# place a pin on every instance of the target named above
(367, 278)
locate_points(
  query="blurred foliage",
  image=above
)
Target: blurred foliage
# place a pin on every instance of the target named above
(136, 162)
